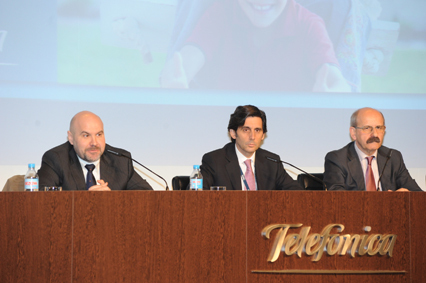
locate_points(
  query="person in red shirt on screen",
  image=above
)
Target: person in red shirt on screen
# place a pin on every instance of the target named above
(256, 45)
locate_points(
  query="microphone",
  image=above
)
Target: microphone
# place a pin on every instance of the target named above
(383, 170)
(120, 154)
(310, 175)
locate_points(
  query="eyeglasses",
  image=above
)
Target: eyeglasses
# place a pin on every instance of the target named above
(369, 129)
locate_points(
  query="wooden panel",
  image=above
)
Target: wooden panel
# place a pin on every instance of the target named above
(418, 236)
(385, 213)
(186, 236)
(179, 236)
(35, 236)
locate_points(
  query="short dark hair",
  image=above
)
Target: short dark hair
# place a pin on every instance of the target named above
(241, 113)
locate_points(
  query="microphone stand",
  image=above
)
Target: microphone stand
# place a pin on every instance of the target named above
(120, 154)
(383, 170)
(309, 174)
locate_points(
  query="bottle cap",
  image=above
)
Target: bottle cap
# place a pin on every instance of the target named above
(196, 166)
(31, 165)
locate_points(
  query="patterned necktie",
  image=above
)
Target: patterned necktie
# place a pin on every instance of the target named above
(369, 176)
(250, 176)
(90, 179)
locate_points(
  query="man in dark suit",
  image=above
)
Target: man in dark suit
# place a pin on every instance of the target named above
(359, 165)
(78, 163)
(225, 166)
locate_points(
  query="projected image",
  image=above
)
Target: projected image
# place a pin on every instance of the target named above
(27, 42)
(113, 43)
(301, 45)
(240, 45)
(372, 46)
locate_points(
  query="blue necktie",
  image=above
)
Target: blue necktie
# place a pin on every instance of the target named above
(90, 179)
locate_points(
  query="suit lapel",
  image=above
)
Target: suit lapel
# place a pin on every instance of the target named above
(261, 170)
(381, 160)
(232, 167)
(107, 171)
(76, 171)
(355, 167)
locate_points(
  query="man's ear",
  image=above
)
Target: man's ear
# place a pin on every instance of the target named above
(352, 133)
(233, 134)
(70, 137)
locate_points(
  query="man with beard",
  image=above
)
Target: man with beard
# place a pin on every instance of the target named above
(359, 165)
(78, 163)
(242, 164)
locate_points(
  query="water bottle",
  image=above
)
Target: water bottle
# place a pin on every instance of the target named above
(196, 179)
(31, 178)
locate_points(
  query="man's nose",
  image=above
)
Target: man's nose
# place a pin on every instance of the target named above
(375, 132)
(94, 141)
(252, 134)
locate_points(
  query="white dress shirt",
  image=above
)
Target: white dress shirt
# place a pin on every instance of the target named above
(96, 172)
(364, 163)
(241, 159)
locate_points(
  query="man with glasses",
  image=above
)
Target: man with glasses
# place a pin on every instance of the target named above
(364, 164)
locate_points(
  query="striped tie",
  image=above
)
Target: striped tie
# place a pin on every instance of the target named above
(369, 176)
(250, 176)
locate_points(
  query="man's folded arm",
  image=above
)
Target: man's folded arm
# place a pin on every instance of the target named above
(403, 177)
(207, 172)
(136, 182)
(334, 177)
(47, 173)
(284, 180)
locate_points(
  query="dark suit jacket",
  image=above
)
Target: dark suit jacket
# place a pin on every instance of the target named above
(343, 170)
(61, 167)
(221, 168)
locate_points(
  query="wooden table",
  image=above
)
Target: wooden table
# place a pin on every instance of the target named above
(189, 236)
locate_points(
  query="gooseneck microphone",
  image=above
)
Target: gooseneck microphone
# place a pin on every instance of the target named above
(310, 175)
(383, 170)
(120, 154)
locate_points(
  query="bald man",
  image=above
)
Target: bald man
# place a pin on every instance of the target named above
(359, 165)
(80, 163)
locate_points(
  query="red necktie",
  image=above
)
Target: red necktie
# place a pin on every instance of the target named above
(369, 176)
(250, 176)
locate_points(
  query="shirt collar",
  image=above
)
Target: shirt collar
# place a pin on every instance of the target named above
(362, 155)
(84, 162)
(242, 158)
